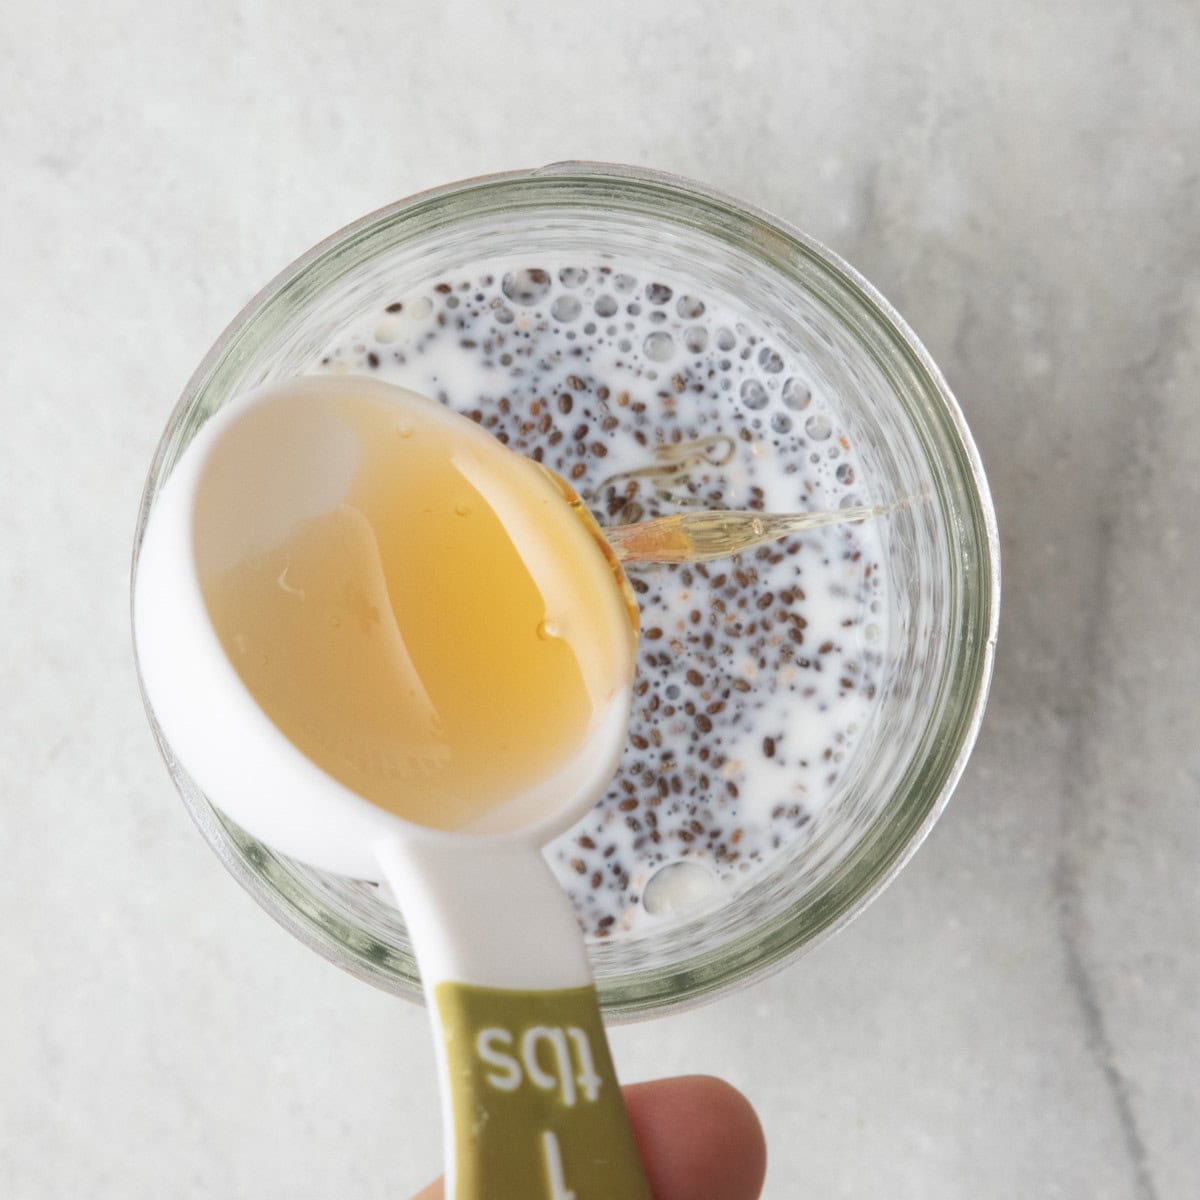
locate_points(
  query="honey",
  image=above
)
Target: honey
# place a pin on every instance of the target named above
(447, 636)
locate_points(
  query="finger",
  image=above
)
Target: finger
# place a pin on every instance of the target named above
(699, 1140)
(432, 1192)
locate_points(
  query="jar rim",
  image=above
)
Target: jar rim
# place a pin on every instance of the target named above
(857, 880)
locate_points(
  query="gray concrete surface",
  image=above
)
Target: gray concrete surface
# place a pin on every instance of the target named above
(1018, 1015)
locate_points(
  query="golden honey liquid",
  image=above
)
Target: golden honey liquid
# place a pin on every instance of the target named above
(444, 638)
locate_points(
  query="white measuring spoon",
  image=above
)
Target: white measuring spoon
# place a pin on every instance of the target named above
(530, 1101)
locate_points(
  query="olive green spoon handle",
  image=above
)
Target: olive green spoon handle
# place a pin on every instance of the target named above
(531, 1106)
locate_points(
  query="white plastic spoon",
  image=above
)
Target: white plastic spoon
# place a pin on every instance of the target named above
(531, 1106)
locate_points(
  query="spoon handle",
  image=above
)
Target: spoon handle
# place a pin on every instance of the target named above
(531, 1106)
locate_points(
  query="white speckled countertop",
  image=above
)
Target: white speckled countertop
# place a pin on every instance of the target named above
(1019, 1015)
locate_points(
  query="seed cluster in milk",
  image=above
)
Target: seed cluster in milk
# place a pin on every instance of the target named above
(755, 674)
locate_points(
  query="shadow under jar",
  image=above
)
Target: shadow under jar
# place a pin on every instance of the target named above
(803, 711)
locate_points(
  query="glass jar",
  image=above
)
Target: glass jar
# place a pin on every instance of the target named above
(942, 549)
